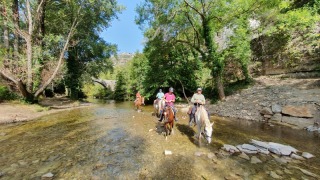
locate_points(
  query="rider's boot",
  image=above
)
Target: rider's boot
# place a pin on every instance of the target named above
(191, 120)
(161, 116)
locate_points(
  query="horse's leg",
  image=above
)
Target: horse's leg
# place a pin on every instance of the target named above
(172, 125)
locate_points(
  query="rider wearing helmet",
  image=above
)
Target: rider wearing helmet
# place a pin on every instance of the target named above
(170, 98)
(197, 99)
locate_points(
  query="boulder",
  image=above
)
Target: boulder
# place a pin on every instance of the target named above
(230, 148)
(297, 111)
(255, 160)
(307, 155)
(276, 108)
(276, 117)
(266, 111)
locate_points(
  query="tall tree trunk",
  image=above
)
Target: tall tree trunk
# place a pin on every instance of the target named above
(29, 48)
(15, 8)
(5, 29)
(219, 86)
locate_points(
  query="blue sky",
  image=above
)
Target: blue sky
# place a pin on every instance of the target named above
(123, 31)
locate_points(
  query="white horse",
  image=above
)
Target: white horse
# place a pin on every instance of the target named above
(158, 106)
(205, 128)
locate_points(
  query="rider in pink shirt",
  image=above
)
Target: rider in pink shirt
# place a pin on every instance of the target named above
(170, 98)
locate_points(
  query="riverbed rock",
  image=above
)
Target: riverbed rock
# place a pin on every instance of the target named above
(260, 143)
(281, 160)
(247, 151)
(211, 156)
(167, 152)
(274, 175)
(281, 149)
(244, 156)
(276, 117)
(47, 176)
(249, 147)
(255, 160)
(308, 173)
(230, 148)
(1, 174)
(297, 111)
(266, 111)
(297, 121)
(276, 108)
(287, 171)
(295, 156)
(198, 153)
(307, 155)
(312, 128)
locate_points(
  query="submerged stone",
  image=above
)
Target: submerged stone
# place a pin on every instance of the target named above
(47, 176)
(230, 148)
(255, 160)
(307, 155)
(167, 152)
(247, 151)
(244, 156)
(295, 156)
(274, 175)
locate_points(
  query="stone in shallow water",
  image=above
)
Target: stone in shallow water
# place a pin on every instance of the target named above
(274, 175)
(230, 148)
(249, 147)
(260, 143)
(211, 155)
(244, 156)
(246, 150)
(198, 153)
(308, 173)
(281, 160)
(281, 149)
(276, 117)
(295, 156)
(307, 155)
(255, 160)
(167, 152)
(47, 176)
(287, 171)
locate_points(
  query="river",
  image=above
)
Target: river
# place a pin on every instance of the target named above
(113, 141)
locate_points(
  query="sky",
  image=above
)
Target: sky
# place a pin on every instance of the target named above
(123, 31)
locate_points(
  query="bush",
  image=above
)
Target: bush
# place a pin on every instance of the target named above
(6, 94)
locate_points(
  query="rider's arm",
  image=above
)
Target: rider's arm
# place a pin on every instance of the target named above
(193, 99)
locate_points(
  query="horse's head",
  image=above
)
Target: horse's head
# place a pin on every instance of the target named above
(208, 129)
(168, 113)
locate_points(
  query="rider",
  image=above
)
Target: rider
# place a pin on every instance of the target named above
(170, 98)
(159, 96)
(137, 96)
(197, 99)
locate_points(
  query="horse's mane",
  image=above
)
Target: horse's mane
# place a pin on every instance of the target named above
(204, 116)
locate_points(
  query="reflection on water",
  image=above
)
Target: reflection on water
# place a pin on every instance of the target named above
(112, 141)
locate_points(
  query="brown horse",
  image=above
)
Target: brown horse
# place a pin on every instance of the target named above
(168, 120)
(138, 102)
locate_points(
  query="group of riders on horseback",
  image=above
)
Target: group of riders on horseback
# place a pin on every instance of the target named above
(198, 115)
(164, 100)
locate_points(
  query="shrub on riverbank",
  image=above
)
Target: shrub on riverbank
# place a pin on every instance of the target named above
(6, 94)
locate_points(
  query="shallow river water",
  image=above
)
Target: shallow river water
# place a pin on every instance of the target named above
(113, 141)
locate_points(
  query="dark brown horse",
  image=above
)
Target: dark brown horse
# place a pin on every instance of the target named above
(138, 102)
(168, 120)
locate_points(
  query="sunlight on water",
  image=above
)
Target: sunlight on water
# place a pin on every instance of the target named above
(112, 141)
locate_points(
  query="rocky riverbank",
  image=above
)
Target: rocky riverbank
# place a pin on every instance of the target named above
(276, 99)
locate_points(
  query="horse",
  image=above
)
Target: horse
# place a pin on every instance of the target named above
(168, 120)
(205, 128)
(138, 102)
(158, 106)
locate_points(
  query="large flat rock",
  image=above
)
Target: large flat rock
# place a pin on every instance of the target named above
(297, 111)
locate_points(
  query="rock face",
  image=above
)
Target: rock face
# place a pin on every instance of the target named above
(297, 111)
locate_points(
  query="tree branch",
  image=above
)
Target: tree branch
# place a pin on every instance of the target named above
(66, 45)
(195, 9)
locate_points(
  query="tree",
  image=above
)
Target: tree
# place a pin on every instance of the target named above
(120, 89)
(47, 45)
